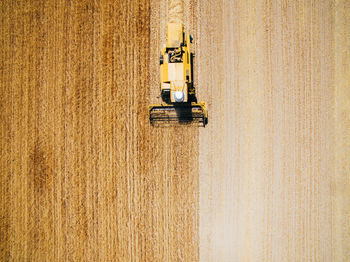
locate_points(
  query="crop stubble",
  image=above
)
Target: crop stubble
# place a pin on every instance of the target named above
(276, 78)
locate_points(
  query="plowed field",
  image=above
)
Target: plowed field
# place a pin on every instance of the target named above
(84, 177)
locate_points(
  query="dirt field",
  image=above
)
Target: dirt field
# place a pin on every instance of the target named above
(84, 177)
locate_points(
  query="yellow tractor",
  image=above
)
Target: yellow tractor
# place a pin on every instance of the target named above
(179, 102)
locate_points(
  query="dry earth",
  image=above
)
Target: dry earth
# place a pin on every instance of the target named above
(85, 177)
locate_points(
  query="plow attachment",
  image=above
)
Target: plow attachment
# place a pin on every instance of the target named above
(160, 115)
